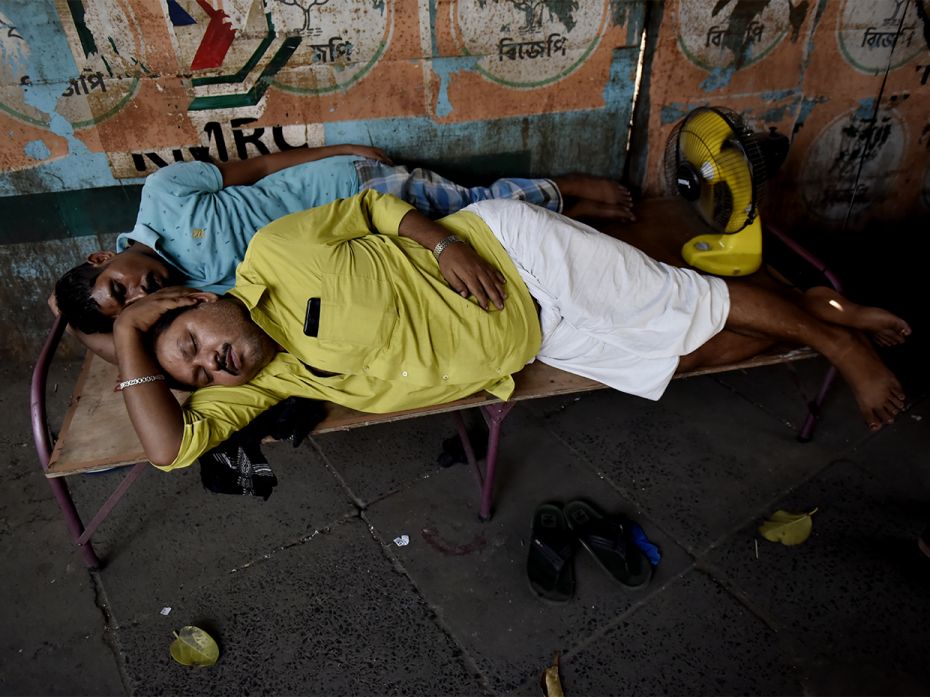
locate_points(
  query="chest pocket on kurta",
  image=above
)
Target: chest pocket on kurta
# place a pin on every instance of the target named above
(361, 311)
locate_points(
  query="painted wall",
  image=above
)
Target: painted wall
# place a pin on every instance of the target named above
(846, 79)
(96, 94)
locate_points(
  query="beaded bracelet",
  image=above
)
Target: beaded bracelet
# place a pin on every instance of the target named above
(138, 381)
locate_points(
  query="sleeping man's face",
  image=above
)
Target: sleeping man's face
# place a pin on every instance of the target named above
(214, 343)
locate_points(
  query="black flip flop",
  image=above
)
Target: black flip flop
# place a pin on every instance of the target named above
(607, 539)
(549, 563)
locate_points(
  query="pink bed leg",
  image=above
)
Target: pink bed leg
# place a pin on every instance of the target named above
(44, 446)
(494, 415)
(813, 408)
(112, 500)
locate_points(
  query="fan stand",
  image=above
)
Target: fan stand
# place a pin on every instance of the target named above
(736, 254)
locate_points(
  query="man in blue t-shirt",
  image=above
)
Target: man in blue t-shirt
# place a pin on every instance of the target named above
(196, 220)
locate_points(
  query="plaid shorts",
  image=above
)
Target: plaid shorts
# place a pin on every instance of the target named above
(437, 196)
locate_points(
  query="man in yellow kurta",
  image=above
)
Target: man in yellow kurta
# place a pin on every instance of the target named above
(390, 332)
(347, 303)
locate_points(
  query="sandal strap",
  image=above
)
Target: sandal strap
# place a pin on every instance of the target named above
(556, 557)
(610, 537)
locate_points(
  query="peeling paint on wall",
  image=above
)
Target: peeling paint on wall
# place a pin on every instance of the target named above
(879, 35)
(732, 34)
(128, 85)
(848, 167)
(444, 69)
(823, 83)
(31, 98)
(528, 43)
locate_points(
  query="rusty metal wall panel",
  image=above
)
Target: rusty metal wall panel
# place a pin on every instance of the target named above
(817, 71)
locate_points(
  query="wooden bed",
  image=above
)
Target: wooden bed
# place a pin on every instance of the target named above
(96, 433)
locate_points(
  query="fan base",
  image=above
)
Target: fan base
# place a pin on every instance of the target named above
(738, 254)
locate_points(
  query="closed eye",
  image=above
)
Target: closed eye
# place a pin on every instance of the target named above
(201, 377)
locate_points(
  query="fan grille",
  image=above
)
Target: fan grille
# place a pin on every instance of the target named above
(716, 144)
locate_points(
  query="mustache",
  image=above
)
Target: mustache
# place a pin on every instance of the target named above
(224, 360)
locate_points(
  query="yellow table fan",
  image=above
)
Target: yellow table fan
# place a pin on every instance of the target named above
(718, 164)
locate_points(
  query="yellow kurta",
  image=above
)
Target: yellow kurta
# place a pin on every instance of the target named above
(390, 327)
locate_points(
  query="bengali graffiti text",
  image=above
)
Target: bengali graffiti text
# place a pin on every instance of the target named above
(873, 38)
(717, 33)
(518, 50)
(331, 51)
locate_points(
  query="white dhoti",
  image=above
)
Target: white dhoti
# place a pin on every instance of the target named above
(608, 311)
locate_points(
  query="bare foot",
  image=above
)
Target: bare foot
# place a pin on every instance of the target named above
(885, 328)
(586, 208)
(877, 391)
(595, 189)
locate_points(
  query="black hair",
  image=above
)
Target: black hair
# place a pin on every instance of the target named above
(73, 295)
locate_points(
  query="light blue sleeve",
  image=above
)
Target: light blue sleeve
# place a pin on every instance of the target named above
(185, 178)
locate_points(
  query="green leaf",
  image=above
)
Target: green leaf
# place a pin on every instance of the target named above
(788, 528)
(194, 647)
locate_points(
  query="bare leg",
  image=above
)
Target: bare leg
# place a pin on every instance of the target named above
(885, 328)
(587, 196)
(760, 318)
(725, 348)
(758, 312)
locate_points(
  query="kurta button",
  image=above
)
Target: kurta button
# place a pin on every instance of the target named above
(404, 373)
(445, 377)
(367, 368)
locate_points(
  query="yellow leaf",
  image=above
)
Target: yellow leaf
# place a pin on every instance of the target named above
(550, 683)
(194, 647)
(787, 528)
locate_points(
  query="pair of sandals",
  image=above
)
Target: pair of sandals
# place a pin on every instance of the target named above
(607, 537)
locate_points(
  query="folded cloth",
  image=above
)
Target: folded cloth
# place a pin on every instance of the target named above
(238, 466)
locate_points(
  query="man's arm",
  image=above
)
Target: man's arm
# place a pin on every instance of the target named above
(372, 212)
(155, 414)
(100, 343)
(465, 271)
(250, 171)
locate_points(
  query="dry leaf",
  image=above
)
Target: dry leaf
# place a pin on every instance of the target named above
(194, 647)
(549, 681)
(787, 528)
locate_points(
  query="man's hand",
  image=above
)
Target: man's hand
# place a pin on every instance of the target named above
(154, 412)
(468, 274)
(465, 271)
(245, 172)
(141, 315)
(368, 152)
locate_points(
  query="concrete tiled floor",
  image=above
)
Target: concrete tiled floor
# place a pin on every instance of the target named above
(308, 594)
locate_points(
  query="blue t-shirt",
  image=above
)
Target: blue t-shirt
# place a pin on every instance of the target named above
(203, 230)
